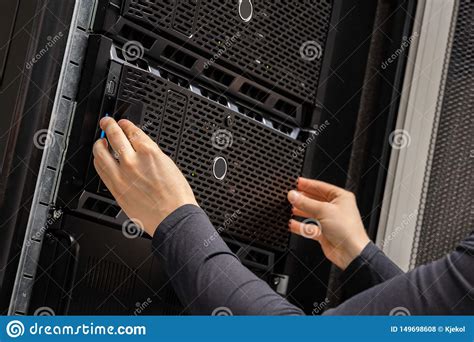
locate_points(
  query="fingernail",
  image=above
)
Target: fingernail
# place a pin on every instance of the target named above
(293, 196)
(104, 119)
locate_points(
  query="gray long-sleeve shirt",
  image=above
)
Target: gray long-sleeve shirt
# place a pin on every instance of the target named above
(208, 277)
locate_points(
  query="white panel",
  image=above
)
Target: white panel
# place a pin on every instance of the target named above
(419, 109)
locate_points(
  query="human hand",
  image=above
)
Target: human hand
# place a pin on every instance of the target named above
(145, 182)
(332, 219)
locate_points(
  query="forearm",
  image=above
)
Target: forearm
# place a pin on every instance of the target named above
(206, 274)
(444, 287)
(370, 268)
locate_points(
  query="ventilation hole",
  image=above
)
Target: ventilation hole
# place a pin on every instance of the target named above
(283, 128)
(141, 63)
(260, 173)
(253, 92)
(184, 16)
(218, 76)
(286, 108)
(214, 96)
(179, 57)
(276, 43)
(130, 33)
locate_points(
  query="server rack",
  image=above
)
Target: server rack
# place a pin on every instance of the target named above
(240, 88)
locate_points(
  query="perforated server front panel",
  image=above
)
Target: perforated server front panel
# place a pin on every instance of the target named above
(279, 46)
(263, 164)
(448, 199)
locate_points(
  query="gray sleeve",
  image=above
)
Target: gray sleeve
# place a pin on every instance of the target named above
(370, 268)
(443, 287)
(206, 275)
(209, 278)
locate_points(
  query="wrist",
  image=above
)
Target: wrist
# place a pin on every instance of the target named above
(353, 250)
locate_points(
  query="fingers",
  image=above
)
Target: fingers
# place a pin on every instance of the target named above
(135, 135)
(105, 164)
(300, 213)
(116, 137)
(313, 207)
(307, 230)
(319, 190)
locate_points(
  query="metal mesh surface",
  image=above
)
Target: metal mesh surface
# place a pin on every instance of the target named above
(267, 47)
(448, 202)
(250, 202)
